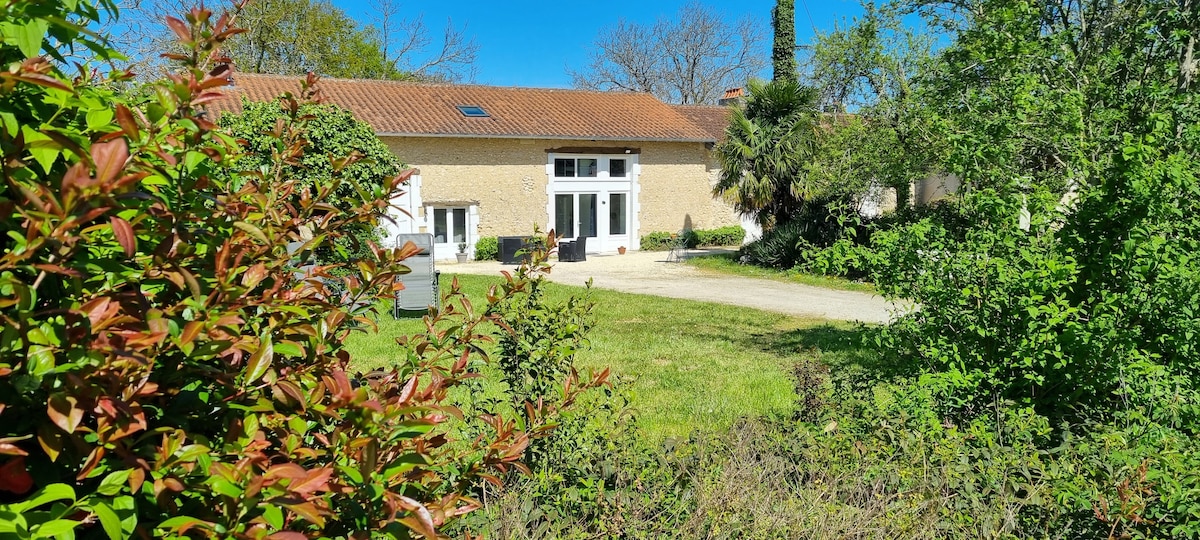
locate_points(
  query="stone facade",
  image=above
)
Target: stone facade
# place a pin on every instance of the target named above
(507, 179)
(677, 182)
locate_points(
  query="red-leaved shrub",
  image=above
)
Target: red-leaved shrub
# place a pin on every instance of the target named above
(166, 366)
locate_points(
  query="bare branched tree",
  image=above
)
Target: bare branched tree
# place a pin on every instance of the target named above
(140, 31)
(291, 37)
(691, 59)
(407, 41)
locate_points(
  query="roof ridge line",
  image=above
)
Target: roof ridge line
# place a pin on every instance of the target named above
(297, 78)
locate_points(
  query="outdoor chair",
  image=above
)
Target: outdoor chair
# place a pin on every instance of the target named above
(421, 284)
(678, 247)
(573, 251)
(511, 247)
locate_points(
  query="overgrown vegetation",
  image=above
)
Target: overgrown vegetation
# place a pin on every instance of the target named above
(1049, 290)
(166, 368)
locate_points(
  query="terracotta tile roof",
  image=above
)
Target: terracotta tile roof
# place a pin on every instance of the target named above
(420, 109)
(712, 119)
(734, 93)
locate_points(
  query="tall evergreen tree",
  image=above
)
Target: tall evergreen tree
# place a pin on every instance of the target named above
(783, 54)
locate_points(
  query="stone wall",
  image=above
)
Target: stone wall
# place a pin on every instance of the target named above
(507, 179)
(677, 181)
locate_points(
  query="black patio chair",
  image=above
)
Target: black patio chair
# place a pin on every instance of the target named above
(573, 251)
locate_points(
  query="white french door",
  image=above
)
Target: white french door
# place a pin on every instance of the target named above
(602, 216)
(594, 196)
(449, 230)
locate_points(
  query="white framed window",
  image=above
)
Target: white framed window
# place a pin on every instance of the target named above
(450, 225)
(597, 167)
(588, 167)
(617, 168)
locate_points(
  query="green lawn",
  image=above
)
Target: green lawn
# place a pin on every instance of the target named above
(693, 365)
(726, 263)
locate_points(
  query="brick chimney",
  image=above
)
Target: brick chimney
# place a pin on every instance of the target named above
(733, 96)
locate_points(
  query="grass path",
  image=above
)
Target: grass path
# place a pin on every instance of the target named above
(691, 365)
(726, 263)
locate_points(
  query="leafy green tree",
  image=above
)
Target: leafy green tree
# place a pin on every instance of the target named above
(1065, 290)
(874, 67)
(767, 147)
(783, 50)
(333, 133)
(294, 37)
(1081, 148)
(1036, 91)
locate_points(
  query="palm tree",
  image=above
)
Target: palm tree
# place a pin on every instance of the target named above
(767, 145)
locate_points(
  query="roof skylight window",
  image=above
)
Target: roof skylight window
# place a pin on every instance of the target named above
(472, 110)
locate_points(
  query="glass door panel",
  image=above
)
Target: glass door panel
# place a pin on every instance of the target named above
(441, 232)
(564, 215)
(587, 214)
(617, 213)
(460, 225)
(600, 215)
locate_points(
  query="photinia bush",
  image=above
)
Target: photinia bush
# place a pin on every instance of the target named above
(171, 360)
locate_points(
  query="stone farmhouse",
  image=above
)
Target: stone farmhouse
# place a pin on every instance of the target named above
(496, 161)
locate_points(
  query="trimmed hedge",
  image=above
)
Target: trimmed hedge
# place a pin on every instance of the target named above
(487, 248)
(656, 241)
(722, 236)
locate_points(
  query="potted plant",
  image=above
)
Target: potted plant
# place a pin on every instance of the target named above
(621, 250)
(462, 252)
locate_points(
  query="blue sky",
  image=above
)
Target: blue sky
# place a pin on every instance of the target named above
(533, 42)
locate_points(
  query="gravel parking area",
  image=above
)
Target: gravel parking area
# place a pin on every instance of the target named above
(649, 273)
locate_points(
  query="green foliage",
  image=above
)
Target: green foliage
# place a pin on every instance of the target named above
(487, 248)
(767, 146)
(780, 247)
(536, 351)
(1059, 287)
(657, 241)
(1064, 307)
(573, 421)
(866, 452)
(849, 255)
(332, 134)
(1053, 318)
(1006, 326)
(617, 487)
(875, 66)
(783, 49)
(165, 369)
(295, 37)
(785, 246)
(730, 235)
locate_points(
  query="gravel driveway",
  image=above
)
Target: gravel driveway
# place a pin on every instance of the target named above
(649, 273)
